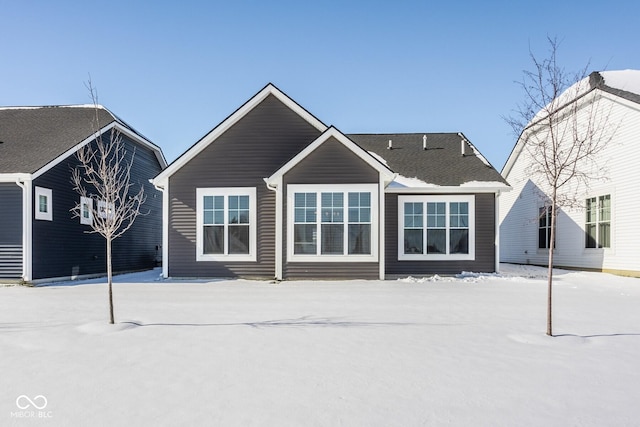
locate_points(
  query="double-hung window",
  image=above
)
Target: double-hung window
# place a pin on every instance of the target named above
(332, 222)
(226, 224)
(436, 228)
(44, 204)
(86, 210)
(598, 222)
(544, 227)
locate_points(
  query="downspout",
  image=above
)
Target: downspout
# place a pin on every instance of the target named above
(382, 226)
(279, 220)
(497, 225)
(27, 233)
(165, 226)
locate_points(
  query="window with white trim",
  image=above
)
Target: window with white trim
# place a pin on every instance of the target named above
(86, 210)
(598, 222)
(436, 227)
(332, 222)
(44, 204)
(544, 227)
(105, 210)
(226, 224)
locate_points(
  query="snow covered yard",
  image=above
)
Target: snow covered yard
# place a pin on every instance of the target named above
(465, 351)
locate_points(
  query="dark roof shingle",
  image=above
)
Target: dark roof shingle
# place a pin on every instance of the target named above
(31, 137)
(442, 163)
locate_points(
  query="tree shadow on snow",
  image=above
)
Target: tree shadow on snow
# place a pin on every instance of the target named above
(305, 321)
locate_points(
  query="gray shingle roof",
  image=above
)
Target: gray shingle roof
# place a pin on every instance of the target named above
(33, 136)
(441, 163)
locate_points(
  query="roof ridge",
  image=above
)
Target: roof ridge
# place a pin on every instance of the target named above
(38, 107)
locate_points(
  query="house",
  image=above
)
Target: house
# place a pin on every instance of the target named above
(274, 192)
(39, 237)
(600, 233)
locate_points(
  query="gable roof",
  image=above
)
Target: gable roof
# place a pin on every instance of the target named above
(210, 137)
(621, 83)
(441, 164)
(332, 132)
(33, 137)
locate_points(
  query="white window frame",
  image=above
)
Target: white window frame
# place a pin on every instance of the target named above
(253, 226)
(45, 192)
(332, 188)
(105, 210)
(598, 222)
(88, 201)
(470, 199)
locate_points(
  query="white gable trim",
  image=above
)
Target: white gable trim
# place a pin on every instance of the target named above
(332, 132)
(233, 119)
(113, 125)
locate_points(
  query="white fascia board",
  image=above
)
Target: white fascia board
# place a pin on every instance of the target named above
(447, 190)
(145, 142)
(13, 177)
(233, 119)
(332, 132)
(72, 150)
(113, 125)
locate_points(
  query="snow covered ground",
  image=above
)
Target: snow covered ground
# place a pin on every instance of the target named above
(463, 351)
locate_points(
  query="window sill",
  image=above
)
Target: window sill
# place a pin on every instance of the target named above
(332, 258)
(227, 258)
(456, 257)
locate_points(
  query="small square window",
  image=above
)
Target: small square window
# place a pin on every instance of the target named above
(44, 204)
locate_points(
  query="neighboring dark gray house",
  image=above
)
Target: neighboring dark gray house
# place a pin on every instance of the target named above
(39, 238)
(273, 192)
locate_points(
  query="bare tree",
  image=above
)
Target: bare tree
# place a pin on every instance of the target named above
(562, 126)
(103, 179)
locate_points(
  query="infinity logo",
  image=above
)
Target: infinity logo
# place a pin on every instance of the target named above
(20, 402)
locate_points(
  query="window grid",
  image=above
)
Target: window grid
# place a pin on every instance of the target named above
(598, 222)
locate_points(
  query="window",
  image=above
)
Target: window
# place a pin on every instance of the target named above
(436, 228)
(544, 227)
(105, 210)
(44, 204)
(226, 224)
(332, 222)
(86, 210)
(598, 222)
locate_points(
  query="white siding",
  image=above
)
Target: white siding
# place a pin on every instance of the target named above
(620, 160)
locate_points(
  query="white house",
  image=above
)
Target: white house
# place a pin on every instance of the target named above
(602, 233)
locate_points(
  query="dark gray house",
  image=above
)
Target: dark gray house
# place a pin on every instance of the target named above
(274, 192)
(39, 238)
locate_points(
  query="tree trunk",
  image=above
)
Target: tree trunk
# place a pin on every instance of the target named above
(109, 281)
(552, 240)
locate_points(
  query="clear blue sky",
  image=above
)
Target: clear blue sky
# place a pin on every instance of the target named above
(174, 70)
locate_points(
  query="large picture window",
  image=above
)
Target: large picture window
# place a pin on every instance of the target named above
(436, 227)
(226, 224)
(332, 222)
(598, 222)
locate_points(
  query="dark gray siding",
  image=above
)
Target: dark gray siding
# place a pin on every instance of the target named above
(330, 163)
(62, 247)
(10, 231)
(485, 243)
(251, 150)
